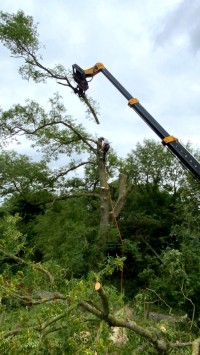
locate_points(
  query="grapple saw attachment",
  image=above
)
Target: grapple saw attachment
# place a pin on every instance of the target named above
(80, 79)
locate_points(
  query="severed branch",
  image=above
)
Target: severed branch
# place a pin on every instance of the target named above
(104, 299)
(196, 347)
(85, 99)
(114, 321)
(51, 74)
(154, 336)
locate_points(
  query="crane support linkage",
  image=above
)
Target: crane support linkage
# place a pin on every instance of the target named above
(80, 76)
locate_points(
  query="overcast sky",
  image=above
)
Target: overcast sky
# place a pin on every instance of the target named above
(152, 47)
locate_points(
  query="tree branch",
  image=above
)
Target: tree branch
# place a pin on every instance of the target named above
(196, 347)
(63, 173)
(153, 336)
(104, 299)
(39, 328)
(85, 99)
(33, 265)
(50, 74)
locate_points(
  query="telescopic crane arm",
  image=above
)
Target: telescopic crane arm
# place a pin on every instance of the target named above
(81, 76)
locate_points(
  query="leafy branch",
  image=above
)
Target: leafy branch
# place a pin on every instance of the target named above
(19, 34)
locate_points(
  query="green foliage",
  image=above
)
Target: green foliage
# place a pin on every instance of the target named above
(18, 33)
(11, 238)
(45, 325)
(151, 163)
(177, 277)
(20, 175)
(53, 133)
(111, 265)
(70, 238)
(49, 248)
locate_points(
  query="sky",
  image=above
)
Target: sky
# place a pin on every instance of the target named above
(151, 47)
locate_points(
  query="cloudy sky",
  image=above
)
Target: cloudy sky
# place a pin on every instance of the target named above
(152, 47)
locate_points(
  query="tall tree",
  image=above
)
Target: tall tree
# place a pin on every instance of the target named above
(78, 217)
(54, 133)
(152, 163)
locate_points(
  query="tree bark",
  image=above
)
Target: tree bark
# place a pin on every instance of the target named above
(104, 198)
(123, 193)
(108, 213)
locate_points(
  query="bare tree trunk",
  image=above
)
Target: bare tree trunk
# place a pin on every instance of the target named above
(104, 199)
(123, 193)
(109, 213)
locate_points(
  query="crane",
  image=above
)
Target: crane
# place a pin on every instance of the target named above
(80, 77)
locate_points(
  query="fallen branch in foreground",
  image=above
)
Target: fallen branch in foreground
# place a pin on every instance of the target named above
(154, 336)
